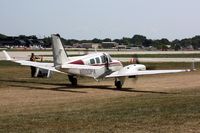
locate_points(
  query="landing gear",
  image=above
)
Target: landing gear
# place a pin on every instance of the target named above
(72, 79)
(118, 84)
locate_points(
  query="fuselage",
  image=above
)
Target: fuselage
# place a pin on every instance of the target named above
(102, 60)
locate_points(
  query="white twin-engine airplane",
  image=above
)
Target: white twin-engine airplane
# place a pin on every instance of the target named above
(96, 65)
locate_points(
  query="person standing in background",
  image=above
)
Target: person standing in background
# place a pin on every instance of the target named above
(33, 69)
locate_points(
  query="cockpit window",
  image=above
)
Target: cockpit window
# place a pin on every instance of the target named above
(109, 58)
(106, 58)
(103, 59)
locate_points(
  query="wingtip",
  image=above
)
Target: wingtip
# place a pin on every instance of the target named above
(7, 55)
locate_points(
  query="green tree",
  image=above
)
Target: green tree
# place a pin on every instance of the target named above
(95, 40)
(186, 42)
(196, 42)
(165, 41)
(126, 41)
(119, 41)
(33, 37)
(176, 45)
(107, 40)
(2, 36)
(47, 41)
(70, 42)
(147, 43)
(138, 40)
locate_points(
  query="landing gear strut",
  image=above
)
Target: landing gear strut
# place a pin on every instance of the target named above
(118, 84)
(72, 79)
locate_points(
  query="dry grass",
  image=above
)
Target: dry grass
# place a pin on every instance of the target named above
(161, 103)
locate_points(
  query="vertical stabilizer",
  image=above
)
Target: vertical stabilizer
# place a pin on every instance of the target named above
(59, 54)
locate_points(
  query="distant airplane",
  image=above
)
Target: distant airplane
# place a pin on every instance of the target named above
(97, 65)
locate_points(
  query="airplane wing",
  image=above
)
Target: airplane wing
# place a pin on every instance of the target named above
(127, 71)
(146, 72)
(47, 66)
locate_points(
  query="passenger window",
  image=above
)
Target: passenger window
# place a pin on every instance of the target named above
(97, 60)
(92, 61)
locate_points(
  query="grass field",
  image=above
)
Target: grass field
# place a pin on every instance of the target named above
(161, 103)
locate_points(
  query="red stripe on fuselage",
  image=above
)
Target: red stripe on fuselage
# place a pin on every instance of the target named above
(110, 64)
(77, 62)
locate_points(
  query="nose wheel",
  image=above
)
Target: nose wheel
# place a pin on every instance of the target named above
(119, 82)
(73, 80)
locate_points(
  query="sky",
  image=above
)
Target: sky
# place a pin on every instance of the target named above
(88, 19)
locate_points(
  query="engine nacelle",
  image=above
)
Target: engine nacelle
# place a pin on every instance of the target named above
(131, 68)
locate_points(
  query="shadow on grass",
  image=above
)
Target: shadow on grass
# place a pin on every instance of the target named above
(63, 89)
(30, 82)
(69, 87)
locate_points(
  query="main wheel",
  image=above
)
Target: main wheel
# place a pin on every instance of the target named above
(73, 80)
(118, 84)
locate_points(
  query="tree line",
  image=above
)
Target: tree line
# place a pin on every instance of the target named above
(135, 41)
(141, 41)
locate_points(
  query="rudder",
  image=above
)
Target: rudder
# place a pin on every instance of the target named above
(59, 54)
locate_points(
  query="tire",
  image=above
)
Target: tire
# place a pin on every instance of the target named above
(73, 80)
(118, 84)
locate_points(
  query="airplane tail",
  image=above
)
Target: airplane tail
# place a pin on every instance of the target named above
(59, 54)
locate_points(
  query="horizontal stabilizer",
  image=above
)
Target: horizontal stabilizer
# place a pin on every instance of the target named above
(42, 65)
(7, 55)
(47, 66)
